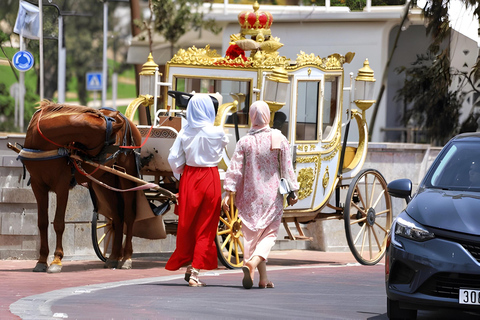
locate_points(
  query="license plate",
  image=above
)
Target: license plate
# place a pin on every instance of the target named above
(469, 296)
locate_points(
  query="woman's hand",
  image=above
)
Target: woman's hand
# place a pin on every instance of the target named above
(226, 202)
(292, 200)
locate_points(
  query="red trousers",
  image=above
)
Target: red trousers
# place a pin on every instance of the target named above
(198, 211)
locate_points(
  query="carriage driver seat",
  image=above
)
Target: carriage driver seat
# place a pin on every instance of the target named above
(182, 98)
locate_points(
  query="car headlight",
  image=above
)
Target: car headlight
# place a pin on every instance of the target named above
(407, 228)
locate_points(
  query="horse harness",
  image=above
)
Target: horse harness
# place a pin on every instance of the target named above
(66, 151)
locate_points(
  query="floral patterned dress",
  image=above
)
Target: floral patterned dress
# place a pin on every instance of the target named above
(254, 174)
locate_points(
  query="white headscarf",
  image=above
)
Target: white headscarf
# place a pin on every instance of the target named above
(259, 115)
(200, 111)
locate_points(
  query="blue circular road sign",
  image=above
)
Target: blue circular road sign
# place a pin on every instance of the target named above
(23, 60)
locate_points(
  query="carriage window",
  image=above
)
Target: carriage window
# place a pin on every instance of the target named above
(229, 89)
(308, 97)
(330, 102)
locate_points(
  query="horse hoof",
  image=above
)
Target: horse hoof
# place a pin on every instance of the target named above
(111, 264)
(40, 267)
(126, 264)
(54, 268)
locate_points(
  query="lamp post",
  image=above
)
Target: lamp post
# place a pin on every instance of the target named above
(364, 85)
(275, 91)
(105, 44)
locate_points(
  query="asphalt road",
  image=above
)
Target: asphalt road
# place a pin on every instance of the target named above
(316, 288)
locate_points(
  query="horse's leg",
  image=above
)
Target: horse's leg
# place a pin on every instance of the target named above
(115, 257)
(116, 207)
(129, 214)
(59, 227)
(41, 195)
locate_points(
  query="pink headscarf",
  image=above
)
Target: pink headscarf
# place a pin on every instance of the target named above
(260, 118)
(259, 115)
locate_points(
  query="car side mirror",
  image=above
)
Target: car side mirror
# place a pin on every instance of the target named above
(401, 188)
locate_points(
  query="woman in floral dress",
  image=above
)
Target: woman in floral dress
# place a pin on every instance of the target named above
(260, 159)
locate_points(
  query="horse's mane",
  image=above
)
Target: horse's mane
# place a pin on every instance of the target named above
(51, 109)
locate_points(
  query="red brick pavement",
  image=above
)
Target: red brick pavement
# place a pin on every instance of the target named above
(18, 281)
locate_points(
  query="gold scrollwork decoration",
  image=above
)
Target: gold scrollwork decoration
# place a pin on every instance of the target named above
(263, 59)
(334, 61)
(305, 148)
(306, 176)
(305, 180)
(196, 56)
(335, 140)
(208, 57)
(326, 178)
(332, 155)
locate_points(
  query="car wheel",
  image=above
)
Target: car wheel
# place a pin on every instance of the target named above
(394, 312)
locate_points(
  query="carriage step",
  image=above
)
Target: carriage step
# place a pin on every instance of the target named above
(171, 227)
(291, 236)
(303, 238)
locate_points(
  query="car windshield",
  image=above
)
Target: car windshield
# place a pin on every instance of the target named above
(457, 168)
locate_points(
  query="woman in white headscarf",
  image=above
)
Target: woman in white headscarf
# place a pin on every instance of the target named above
(195, 155)
(260, 159)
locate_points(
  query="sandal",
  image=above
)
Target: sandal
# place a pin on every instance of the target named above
(268, 285)
(247, 281)
(195, 282)
(188, 273)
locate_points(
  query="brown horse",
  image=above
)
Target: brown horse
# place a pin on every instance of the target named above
(92, 134)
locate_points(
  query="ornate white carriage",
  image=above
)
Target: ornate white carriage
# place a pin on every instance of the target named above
(306, 97)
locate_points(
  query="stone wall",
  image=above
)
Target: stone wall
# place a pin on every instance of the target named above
(394, 161)
(18, 214)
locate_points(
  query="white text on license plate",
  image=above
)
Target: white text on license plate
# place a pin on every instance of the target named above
(469, 296)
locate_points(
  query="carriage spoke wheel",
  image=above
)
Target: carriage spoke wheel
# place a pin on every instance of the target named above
(367, 216)
(103, 234)
(229, 239)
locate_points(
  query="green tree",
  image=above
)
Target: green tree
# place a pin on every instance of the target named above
(175, 18)
(353, 5)
(8, 12)
(433, 104)
(83, 34)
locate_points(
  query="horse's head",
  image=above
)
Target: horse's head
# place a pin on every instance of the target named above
(120, 131)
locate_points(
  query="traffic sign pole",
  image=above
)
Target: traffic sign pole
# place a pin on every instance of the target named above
(22, 61)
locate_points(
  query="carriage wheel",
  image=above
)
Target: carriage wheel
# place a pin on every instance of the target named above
(229, 239)
(102, 235)
(367, 216)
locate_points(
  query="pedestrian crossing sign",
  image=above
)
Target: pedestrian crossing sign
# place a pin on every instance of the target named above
(94, 81)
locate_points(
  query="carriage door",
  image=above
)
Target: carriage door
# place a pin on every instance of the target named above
(307, 135)
(315, 138)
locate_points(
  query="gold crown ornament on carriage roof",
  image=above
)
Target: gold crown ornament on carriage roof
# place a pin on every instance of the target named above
(255, 23)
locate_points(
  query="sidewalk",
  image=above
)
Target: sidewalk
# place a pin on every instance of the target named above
(18, 281)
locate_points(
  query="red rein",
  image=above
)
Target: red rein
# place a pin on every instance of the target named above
(148, 136)
(71, 147)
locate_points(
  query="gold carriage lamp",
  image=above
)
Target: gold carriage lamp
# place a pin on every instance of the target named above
(275, 91)
(147, 80)
(364, 85)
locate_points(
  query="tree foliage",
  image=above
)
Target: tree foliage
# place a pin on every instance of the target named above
(353, 5)
(175, 18)
(8, 12)
(83, 35)
(433, 104)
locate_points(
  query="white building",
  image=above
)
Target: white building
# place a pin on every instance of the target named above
(326, 30)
